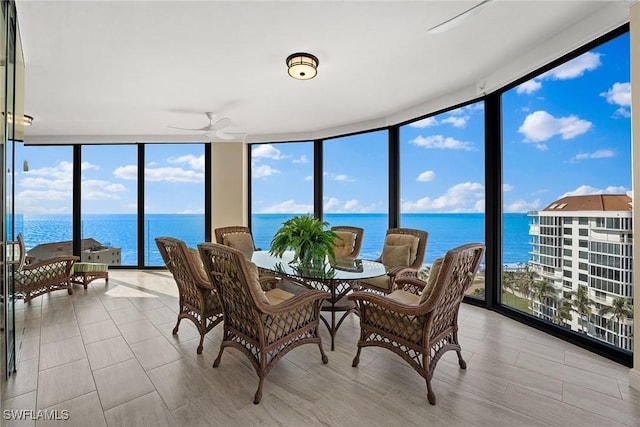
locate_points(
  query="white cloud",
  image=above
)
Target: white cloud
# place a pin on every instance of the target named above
(463, 197)
(456, 121)
(302, 159)
(96, 189)
(541, 126)
(620, 94)
(507, 187)
(308, 178)
(426, 176)
(129, 172)
(520, 206)
(172, 175)
(598, 154)
(193, 161)
(267, 151)
(529, 87)
(439, 141)
(334, 205)
(575, 68)
(263, 171)
(569, 70)
(585, 190)
(424, 123)
(289, 206)
(342, 177)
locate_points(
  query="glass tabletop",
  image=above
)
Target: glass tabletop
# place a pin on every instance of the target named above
(341, 269)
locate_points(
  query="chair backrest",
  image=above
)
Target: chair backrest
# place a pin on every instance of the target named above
(456, 275)
(238, 237)
(349, 240)
(184, 264)
(228, 270)
(399, 234)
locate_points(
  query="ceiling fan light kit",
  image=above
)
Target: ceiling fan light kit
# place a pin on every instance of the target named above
(302, 66)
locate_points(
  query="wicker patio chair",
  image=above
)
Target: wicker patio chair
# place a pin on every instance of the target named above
(198, 298)
(264, 325)
(38, 278)
(349, 241)
(403, 254)
(419, 320)
(238, 237)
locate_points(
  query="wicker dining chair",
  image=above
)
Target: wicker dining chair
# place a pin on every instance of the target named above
(41, 277)
(238, 237)
(262, 322)
(403, 254)
(419, 320)
(198, 298)
(349, 241)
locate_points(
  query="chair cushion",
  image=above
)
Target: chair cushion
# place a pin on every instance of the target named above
(396, 255)
(381, 282)
(276, 296)
(253, 280)
(431, 280)
(195, 256)
(404, 239)
(90, 267)
(344, 244)
(240, 241)
(404, 297)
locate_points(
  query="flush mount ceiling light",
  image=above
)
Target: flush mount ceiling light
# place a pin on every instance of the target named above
(302, 66)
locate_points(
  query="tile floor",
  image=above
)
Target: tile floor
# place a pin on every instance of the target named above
(106, 357)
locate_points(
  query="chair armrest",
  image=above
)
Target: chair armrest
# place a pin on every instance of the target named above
(268, 283)
(49, 264)
(363, 298)
(306, 298)
(409, 284)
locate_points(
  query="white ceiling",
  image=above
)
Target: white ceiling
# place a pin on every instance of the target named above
(109, 71)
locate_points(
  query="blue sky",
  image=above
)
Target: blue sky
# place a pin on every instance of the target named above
(565, 132)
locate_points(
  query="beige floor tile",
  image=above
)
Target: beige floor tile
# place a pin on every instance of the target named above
(155, 352)
(91, 315)
(15, 411)
(126, 315)
(82, 411)
(64, 382)
(115, 303)
(160, 315)
(24, 380)
(55, 331)
(121, 382)
(28, 347)
(145, 411)
(144, 304)
(601, 404)
(99, 331)
(61, 352)
(108, 352)
(139, 330)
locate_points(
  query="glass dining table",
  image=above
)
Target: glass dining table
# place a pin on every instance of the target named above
(338, 278)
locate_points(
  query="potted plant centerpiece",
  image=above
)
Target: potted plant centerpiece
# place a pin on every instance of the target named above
(307, 237)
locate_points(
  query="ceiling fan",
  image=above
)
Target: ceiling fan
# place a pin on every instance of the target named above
(215, 127)
(454, 21)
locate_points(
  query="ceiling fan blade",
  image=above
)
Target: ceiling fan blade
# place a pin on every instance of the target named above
(220, 124)
(452, 22)
(202, 129)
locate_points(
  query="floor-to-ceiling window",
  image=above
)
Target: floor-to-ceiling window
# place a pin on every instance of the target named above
(109, 201)
(174, 196)
(567, 208)
(44, 198)
(281, 186)
(356, 186)
(442, 187)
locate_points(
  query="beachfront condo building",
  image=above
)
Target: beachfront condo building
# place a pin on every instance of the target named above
(582, 247)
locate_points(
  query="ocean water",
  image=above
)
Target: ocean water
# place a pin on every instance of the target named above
(445, 231)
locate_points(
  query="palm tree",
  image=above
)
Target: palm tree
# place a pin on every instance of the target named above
(620, 309)
(525, 282)
(543, 291)
(581, 304)
(563, 314)
(508, 281)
